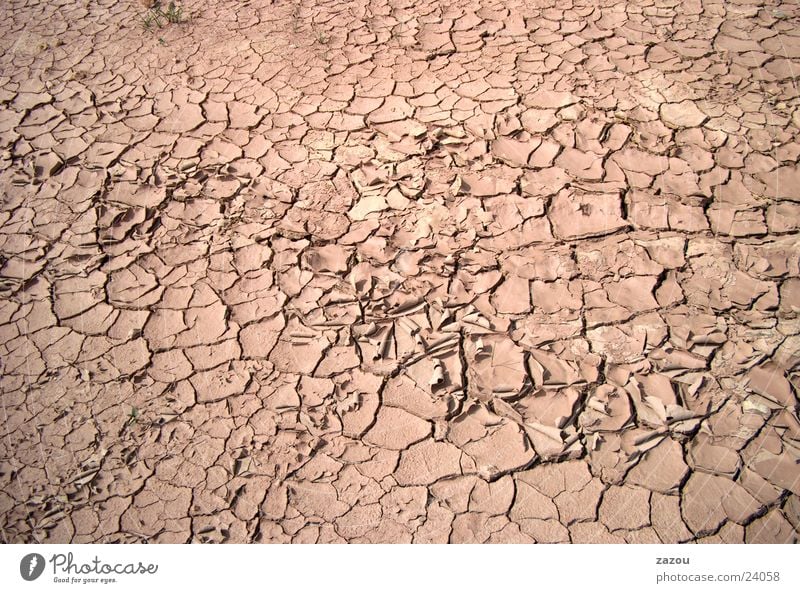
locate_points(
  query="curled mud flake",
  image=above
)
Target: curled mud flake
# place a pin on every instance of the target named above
(495, 368)
(607, 409)
(768, 380)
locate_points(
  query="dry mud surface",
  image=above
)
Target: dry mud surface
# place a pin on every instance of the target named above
(400, 272)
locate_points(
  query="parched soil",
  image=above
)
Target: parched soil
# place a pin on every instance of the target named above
(396, 271)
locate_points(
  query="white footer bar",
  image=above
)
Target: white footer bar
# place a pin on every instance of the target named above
(378, 568)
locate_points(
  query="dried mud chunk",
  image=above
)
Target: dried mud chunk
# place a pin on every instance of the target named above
(428, 461)
(455, 492)
(544, 182)
(205, 357)
(158, 507)
(790, 297)
(682, 115)
(368, 206)
(577, 215)
(712, 458)
(329, 258)
(492, 497)
(638, 161)
(170, 366)
(144, 196)
(546, 154)
(661, 469)
(325, 226)
(608, 408)
(359, 520)
(617, 344)
(485, 185)
(130, 357)
(736, 222)
(405, 505)
(514, 152)
(593, 533)
(550, 370)
(635, 293)
(729, 533)
(708, 501)
(221, 382)
(134, 287)
(780, 469)
(204, 325)
(396, 429)
(553, 408)
(496, 444)
(772, 528)
(552, 297)
(760, 488)
(258, 339)
(544, 531)
(394, 108)
(403, 392)
(183, 119)
(441, 374)
(537, 330)
(782, 183)
(316, 500)
(783, 217)
(338, 359)
(624, 507)
(579, 505)
(512, 296)
(357, 401)
(536, 514)
(298, 355)
(768, 380)
(665, 514)
(472, 528)
(580, 164)
(570, 486)
(495, 367)
(547, 99)
(77, 295)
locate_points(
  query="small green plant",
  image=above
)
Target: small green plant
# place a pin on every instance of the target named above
(174, 13)
(133, 418)
(155, 14)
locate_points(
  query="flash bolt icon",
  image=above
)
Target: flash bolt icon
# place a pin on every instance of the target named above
(31, 566)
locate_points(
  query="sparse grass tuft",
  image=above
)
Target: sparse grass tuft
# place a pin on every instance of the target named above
(322, 37)
(133, 418)
(174, 13)
(156, 15)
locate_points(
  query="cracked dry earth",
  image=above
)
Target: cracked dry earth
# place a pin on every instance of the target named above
(394, 271)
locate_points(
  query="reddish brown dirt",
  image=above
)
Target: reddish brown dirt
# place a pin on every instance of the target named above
(394, 271)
